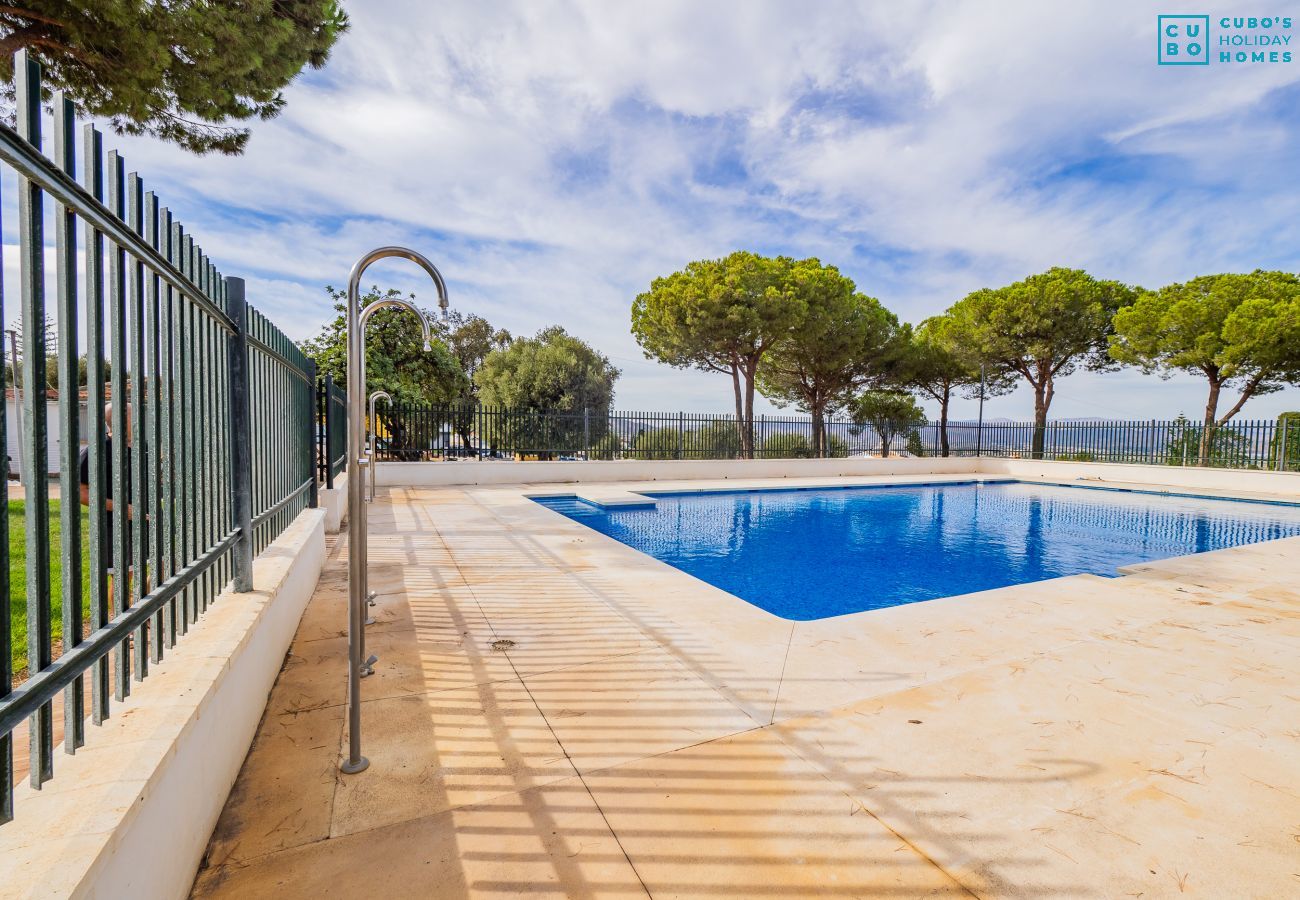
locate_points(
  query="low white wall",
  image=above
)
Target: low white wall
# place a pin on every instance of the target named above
(1237, 481)
(435, 474)
(472, 472)
(131, 813)
(335, 503)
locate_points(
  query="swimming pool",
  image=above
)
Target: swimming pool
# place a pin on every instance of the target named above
(808, 554)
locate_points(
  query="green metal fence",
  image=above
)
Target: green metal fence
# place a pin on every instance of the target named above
(331, 430)
(198, 446)
(468, 430)
(282, 395)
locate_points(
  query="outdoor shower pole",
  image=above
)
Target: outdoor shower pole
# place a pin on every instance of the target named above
(368, 660)
(377, 395)
(356, 388)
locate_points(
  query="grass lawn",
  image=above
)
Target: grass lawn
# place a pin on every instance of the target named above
(18, 575)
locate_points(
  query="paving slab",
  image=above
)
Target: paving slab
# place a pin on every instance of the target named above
(547, 842)
(284, 796)
(745, 816)
(438, 751)
(633, 706)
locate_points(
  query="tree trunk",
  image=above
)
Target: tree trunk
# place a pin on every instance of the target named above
(751, 367)
(819, 430)
(884, 444)
(943, 422)
(1043, 391)
(1209, 425)
(740, 409)
(465, 429)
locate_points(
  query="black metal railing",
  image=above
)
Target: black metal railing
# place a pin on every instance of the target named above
(282, 393)
(331, 431)
(197, 437)
(474, 431)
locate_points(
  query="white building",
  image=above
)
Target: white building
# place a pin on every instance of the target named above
(12, 433)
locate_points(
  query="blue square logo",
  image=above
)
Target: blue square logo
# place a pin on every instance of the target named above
(1183, 40)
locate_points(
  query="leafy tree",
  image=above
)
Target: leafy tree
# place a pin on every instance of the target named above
(1284, 448)
(52, 370)
(181, 71)
(720, 315)
(937, 362)
(1188, 441)
(1238, 331)
(914, 445)
(470, 338)
(553, 372)
(890, 413)
(49, 335)
(397, 362)
(1040, 329)
(843, 342)
(51, 359)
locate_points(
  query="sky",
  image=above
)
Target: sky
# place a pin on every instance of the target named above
(552, 158)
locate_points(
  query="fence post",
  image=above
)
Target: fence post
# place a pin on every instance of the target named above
(241, 448)
(1283, 425)
(681, 433)
(329, 431)
(586, 432)
(313, 471)
(33, 428)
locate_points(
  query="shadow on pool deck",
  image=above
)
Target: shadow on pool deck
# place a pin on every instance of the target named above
(648, 734)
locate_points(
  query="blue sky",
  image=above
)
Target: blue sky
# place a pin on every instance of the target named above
(553, 157)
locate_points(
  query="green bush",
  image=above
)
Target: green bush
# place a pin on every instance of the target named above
(720, 439)
(786, 446)
(608, 447)
(657, 443)
(1288, 426)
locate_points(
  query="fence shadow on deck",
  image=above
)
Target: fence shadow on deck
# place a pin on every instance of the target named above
(530, 733)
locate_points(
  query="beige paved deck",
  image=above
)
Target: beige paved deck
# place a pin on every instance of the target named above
(648, 734)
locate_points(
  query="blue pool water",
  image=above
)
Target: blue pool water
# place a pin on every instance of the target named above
(809, 554)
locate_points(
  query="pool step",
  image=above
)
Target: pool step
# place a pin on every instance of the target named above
(613, 498)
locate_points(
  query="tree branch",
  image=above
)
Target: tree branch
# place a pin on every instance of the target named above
(17, 39)
(1246, 393)
(1061, 365)
(28, 14)
(1023, 370)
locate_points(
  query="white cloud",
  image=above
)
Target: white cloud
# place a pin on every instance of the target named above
(553, 157)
